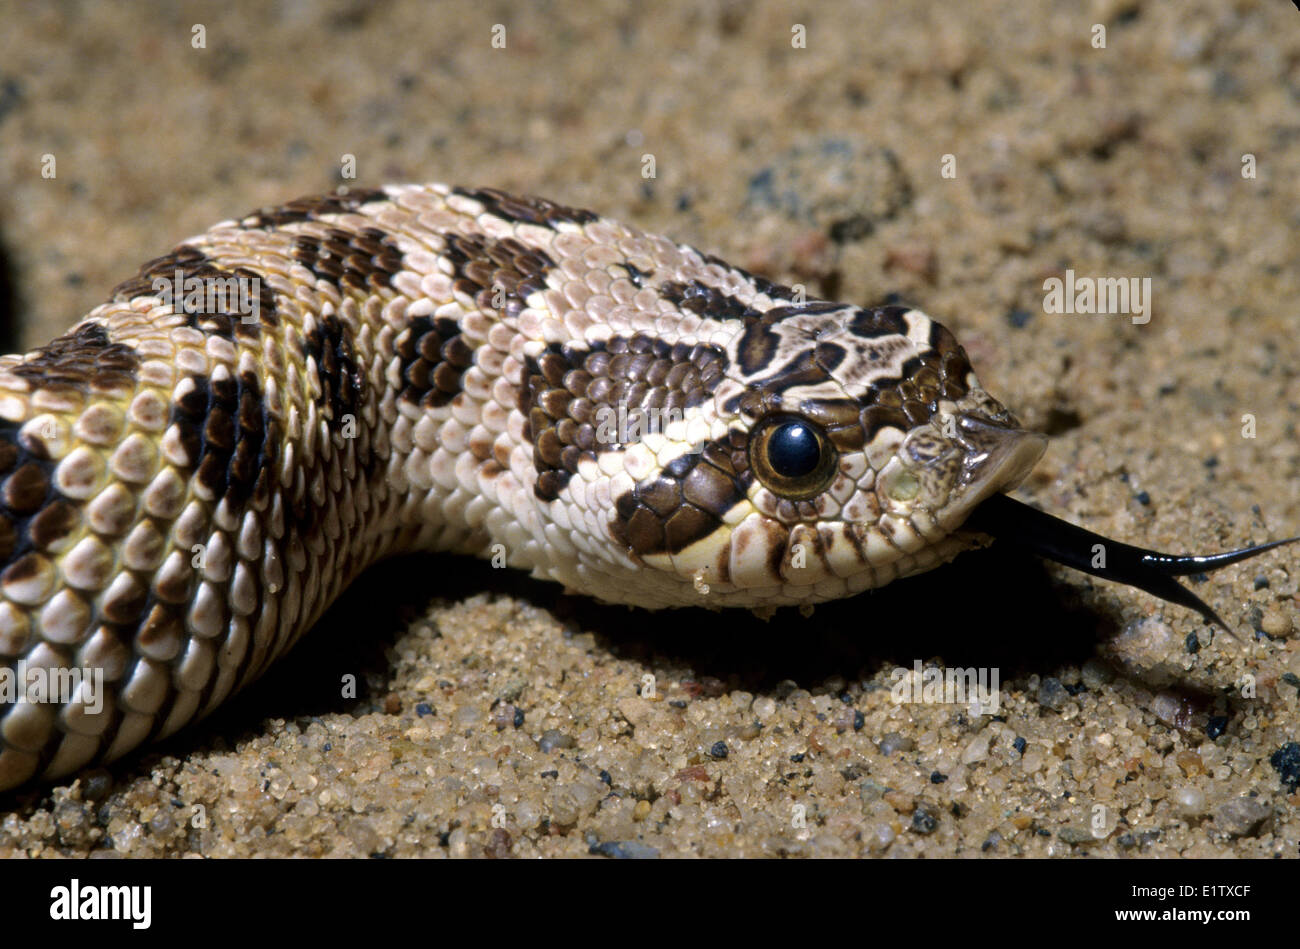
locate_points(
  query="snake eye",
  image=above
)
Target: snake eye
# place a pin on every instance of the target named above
(792, 457)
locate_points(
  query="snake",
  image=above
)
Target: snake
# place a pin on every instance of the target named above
(191, 474)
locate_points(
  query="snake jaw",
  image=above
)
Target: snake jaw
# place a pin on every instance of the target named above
(995, 459)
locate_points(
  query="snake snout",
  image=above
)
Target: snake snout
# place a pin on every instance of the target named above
(995, 458)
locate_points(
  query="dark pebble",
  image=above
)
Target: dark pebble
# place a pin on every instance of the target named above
(519, 718)
(719, 750)
(1286, 761)
(1051, 694)
(858, 720)
(624, 850)
(605, 777)
(1018, 318)
(1192, 644)
(1261, 582)
(923, 822)
(797, 759)
(1143, 498)
(1019, 744)
(423, 709)
(937, 777)
(1216, 726)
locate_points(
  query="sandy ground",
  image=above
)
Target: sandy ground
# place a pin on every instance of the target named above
(497, 717)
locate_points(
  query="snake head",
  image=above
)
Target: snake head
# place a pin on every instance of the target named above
(848, 446)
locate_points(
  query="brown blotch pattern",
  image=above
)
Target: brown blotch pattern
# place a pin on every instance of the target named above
(343, 384)
(687, 500)
(27, 495)
(773, 291)
(937, 373)
(707, 301)
(496, 274)
(314, 207)
(433, 355)
(526, 209)
(223, 427)
(363, 260)
(223, 320)
(83, 359)
(571, 395)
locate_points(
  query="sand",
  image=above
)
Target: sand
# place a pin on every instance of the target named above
(957, 155)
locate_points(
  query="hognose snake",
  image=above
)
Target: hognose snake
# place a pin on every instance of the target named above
(191, 474)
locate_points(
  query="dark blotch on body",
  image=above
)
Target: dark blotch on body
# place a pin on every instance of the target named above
(580, 402)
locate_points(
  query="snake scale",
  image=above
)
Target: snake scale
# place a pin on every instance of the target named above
(192, 473)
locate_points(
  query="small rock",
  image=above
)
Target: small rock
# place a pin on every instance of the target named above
(1076, 835)
(553, 738)
(923, 822)
(718, 750)
(1242, 817)
(892, 742)
(1189, 801)
(1165, 707)
(624, 850)
(1276, 623)
(1286, 761)
(1051, 693)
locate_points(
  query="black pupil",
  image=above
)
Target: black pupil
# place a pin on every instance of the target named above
(793, 451)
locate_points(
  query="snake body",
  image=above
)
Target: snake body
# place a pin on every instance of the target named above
(184, 490)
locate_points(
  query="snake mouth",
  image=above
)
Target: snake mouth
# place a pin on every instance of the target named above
(1010, 521)
(995, 459)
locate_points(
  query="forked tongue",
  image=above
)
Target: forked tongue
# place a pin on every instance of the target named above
(1018, 524)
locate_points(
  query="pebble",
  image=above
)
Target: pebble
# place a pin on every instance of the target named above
(1077, 835)
(1190, 762)
(1242, 817)
(978, 749)
(1165, 707)
(1276, 623)
(1051, 693)
(1189, 801)
(923, 822)
(892, 742)
(553, 738)
(880, 836)
(1286, 761)
(718, 750)
(624, 850)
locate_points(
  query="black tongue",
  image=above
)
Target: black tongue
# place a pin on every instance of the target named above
(1012, 522)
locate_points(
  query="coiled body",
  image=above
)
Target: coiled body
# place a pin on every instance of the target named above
(194, 472)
